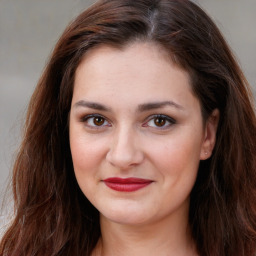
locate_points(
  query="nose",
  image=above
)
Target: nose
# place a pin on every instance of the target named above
(125, 151)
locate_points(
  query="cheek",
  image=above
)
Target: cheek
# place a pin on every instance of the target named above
(177, 163)
(80, 153)
(176, 155)
(87, 153)
(86, 159)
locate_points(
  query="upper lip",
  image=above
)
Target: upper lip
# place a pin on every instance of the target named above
(131, 180)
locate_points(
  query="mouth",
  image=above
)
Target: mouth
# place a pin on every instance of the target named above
(126, 185)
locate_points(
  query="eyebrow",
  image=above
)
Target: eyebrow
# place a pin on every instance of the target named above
(156, 105)
(93, 105)
(141, 107)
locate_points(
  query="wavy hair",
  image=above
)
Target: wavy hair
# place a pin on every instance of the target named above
(53, 217)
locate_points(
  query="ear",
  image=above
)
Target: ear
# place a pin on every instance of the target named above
(210, 135)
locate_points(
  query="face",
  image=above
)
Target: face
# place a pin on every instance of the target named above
(136, 133)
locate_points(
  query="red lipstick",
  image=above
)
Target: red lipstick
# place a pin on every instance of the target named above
(126, 185)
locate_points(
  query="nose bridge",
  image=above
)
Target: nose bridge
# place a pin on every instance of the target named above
(124, 150)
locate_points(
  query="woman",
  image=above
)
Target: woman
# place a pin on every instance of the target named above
(139, 140)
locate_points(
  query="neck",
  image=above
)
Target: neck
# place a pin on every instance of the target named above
(169, 236)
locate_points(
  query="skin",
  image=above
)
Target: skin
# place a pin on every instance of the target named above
(120, 136)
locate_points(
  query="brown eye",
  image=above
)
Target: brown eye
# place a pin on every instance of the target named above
(98, 121)
(159, 121)
(95, 121)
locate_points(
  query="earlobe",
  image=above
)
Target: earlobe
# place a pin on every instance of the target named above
(210, 131)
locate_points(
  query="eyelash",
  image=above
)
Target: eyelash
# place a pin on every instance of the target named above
(93, 117)
(170, 121)
(167, 121)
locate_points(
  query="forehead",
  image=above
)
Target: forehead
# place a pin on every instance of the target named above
(140, 71)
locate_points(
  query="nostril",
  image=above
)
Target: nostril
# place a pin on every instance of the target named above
(125, 157)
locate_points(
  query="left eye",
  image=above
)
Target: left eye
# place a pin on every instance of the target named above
(95, 121)
(160, 121)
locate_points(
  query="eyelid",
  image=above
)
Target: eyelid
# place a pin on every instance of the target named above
(85, 118)
(169, 119)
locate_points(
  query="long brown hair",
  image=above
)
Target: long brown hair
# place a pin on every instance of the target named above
(53, 217)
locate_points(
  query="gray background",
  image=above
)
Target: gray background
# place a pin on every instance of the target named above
(30, 28)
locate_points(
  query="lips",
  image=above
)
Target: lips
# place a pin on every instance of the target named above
(126, 185)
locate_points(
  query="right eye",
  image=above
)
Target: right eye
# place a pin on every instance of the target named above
(95, 121)
(159, 121)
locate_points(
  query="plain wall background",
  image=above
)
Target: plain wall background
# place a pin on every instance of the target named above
(29, 30)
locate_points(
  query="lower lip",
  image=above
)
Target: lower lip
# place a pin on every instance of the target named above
(127, 187)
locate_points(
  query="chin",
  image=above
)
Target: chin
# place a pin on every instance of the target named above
(125, 215)
(126, 219)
